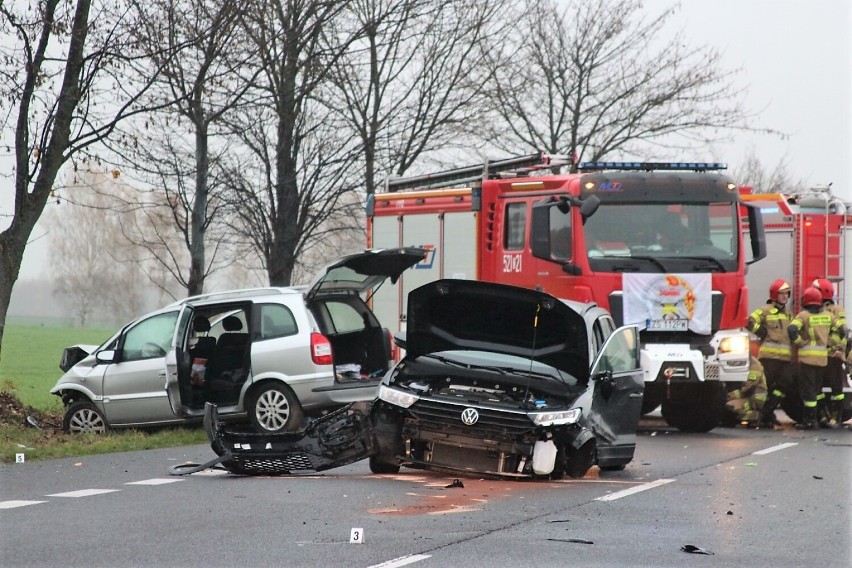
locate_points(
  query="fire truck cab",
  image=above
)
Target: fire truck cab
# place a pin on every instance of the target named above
(661, 245)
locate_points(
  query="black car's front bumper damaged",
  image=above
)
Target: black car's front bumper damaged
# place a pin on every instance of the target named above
(337, 439)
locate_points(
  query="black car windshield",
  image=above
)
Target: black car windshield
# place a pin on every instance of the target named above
(647, 237)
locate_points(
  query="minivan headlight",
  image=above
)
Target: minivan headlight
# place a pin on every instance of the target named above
(396, 396)
(556, 418)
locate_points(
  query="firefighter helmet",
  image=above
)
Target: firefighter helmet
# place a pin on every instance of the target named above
(812, 297)
(825, 287)
(779, 285)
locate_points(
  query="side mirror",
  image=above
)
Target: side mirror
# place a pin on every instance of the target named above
(589, 205)
(755, 233)
(106, 357)
(605, 384)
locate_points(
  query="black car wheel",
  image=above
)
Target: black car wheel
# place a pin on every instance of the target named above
(378, 466)
(616, 467)
(83, 417)
(274, 409)
(575, 462)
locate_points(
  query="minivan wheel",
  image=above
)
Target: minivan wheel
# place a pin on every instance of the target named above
(275, 409)
(83, 417)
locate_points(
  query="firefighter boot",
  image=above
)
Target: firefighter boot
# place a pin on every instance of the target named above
(836, 414)
(767, 413)
(824, 413)
(809, 419)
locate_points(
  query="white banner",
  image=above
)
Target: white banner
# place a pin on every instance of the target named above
(668, 302)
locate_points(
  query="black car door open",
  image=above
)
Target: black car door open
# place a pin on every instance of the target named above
(617, 401)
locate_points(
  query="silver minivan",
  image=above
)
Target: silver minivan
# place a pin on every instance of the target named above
(273, 355)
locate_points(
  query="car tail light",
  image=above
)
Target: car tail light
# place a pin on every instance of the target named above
(321, 349)
(392, 347)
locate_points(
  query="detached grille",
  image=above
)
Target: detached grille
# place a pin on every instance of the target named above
(270, 465)
(490, 420)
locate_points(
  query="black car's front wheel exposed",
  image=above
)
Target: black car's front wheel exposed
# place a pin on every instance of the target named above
(275, 409)
(378, 466)
(83, 417)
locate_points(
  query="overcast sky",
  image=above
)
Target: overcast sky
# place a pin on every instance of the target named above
(796, 58)
(796, 61)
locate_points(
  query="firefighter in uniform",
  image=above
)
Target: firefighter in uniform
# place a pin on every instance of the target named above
(747, 402)
(835, 374)
(815, 332)
(769, 323)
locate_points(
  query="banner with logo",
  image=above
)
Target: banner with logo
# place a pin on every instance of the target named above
(668, 302)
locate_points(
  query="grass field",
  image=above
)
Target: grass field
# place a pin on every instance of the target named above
(29, 362)
(29, 367)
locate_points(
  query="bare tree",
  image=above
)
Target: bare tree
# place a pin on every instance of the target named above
(210, 68)
(325, 179)
(415, 77)
(594, 78)
(97, 272)
(297, 172)
(762, 179)
(60, 64)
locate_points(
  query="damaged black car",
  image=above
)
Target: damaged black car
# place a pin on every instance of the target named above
(496, 380)
(508, 381)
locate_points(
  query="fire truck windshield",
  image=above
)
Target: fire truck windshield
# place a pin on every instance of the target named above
(650, 237)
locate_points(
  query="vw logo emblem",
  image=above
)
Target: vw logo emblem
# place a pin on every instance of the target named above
(469, 416)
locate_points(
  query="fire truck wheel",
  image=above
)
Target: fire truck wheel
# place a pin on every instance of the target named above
(700, 411)
(650, 400)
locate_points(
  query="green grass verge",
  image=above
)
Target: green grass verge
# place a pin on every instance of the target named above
(29, 367)
(29, 362)
(45, 444)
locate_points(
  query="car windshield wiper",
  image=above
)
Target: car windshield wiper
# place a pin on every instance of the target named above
(652, 259)
(456, 363)
(712, 260)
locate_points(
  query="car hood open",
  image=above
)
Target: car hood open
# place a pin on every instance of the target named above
(469, 315)
(364, 271)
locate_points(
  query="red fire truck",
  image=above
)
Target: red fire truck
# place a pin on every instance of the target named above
(658, 244)
(807, 237)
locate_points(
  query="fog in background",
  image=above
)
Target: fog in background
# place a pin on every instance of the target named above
(796, 61)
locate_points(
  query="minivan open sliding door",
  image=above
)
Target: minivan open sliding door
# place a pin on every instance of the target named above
(178, 365)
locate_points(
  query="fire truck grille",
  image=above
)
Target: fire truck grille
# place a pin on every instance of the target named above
(490, 421)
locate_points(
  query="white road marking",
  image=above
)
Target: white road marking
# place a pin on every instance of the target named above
(83, 493)
(154, 481)
(771, 449)
(401, 561)
(14, 504)
(632, 490)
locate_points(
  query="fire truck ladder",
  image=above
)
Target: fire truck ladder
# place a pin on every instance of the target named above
(510, 167)
(837, 259)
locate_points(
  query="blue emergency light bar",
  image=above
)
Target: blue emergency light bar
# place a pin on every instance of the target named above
(649, 166)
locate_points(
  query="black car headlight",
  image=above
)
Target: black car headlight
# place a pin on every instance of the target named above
(397, 397)
(555, 417)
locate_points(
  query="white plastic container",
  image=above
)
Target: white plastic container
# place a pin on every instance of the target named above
(544, 457)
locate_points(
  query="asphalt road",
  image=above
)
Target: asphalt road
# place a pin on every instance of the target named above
(751, 498)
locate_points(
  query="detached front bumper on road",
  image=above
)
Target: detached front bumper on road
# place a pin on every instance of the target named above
(337, 439)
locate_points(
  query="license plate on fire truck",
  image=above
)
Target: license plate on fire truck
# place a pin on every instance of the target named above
(667, 325)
